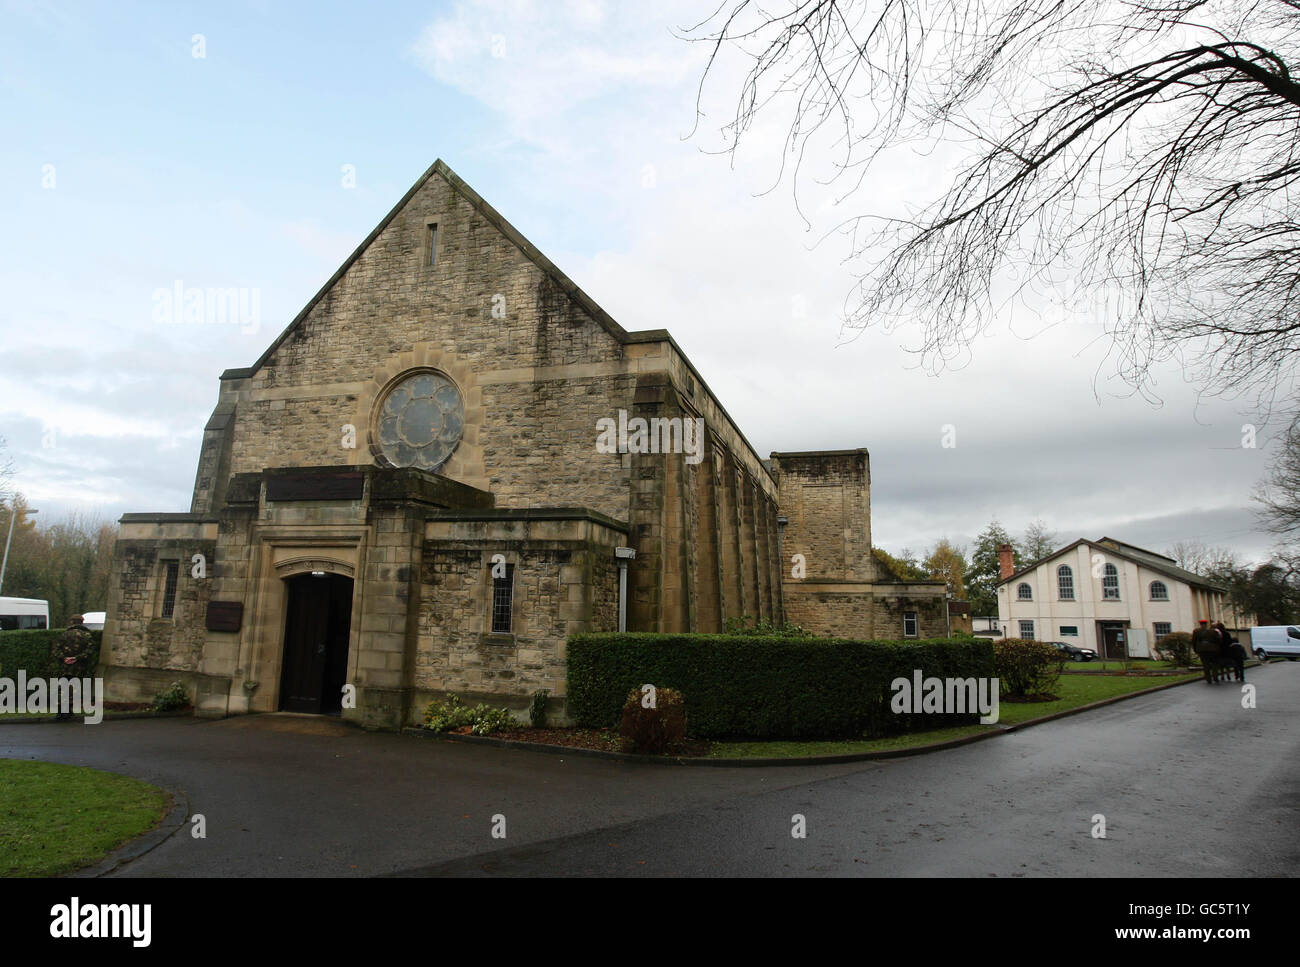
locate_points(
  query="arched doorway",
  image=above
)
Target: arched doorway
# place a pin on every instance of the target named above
(318, 619)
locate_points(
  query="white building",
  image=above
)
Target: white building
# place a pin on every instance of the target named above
(1094, 594)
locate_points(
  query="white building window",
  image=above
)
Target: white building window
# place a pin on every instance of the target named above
(1024, 592)
(1069, 631)
(1110, 583)
(1158, 591)
(1065, 582)
(1163, 628)
(909, 624)
(1027, 630)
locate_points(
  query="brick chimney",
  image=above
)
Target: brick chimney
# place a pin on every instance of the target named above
(1006, 562)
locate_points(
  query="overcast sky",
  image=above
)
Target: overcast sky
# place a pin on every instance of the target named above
(129, 164)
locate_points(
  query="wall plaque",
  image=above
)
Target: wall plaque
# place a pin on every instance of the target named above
(225, 615)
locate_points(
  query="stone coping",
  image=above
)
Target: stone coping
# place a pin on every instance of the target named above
(531, 513)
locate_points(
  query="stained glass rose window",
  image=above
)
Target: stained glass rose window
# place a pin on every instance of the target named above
(421, 421)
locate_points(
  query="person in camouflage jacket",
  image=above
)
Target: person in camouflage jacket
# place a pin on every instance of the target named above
(75, 653)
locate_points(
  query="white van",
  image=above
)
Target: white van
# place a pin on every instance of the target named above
(18, 614)
(1279, 640)
(94, 620)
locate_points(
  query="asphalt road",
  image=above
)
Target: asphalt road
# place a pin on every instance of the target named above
(1189, 783)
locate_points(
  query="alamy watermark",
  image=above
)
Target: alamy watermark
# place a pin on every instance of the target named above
(657, 435)
(192, 305)
(946, 696)
(67, 696)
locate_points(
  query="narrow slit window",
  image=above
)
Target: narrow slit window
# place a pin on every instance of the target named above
(433, 244)
(503, 589)
(171, 572)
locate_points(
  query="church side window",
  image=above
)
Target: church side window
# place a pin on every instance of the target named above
(503, 591)
(433, 244)
(170, 575)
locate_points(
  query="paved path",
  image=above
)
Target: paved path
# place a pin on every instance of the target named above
(1189, 782)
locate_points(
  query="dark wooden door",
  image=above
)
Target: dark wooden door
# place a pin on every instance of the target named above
(316, 631)
(1114, 640)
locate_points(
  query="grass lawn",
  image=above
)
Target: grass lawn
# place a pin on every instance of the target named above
(57, 818)
(1074, 690)
(1110, 665)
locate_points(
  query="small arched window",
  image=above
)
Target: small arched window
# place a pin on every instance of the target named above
(1024, 592)
(1158, 591)
(1065, 582)
(1110, 583)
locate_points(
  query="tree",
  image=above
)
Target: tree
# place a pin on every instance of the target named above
(1279, 498)
(902, 568)
(6, 474)
(1145, 149)
(1038, 542)
(67, 562)
(1269, 592)
(1218, 563)
(985, 569)
(946, 562)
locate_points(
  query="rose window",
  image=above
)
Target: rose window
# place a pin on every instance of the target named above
(421, 421)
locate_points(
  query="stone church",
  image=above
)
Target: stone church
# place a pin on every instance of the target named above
(407, 494)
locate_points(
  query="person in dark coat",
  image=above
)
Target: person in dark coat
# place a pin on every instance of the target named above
(1205, 642)
(1232, 651)
(75, 654)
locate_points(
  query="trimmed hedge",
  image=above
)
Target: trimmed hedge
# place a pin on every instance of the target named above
(30, 651)
(768, 688)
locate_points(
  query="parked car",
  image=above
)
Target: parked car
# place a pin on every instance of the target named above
(94, 620)
(1280, 640)
(1074, 652)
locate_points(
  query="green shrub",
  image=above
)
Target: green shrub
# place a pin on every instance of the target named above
(1026, 668)
(454, 714)
(537, 708)
(655, 730)
(764, 628)
(29, 650)
(1176, 648)
(172, 697)
(767, 687)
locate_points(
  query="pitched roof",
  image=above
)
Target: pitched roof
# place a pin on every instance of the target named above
(498, 221)
(530, 251)
(1129, 552)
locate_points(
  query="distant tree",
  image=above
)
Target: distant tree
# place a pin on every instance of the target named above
(1269, 592)
(66, 563)
(26, 551)
(6, 475)
(902, 568)
(946, 562)
(985, 569)
(1200, 558)
(1037, 543)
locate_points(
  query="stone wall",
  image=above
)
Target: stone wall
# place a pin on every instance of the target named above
(136, 634)
(565, 581)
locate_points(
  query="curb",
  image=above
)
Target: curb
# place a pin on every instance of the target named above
(134, 849)
(809, 760)
(108, 717)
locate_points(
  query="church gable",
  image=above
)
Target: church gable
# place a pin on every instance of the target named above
(445, 318)
(443, 266)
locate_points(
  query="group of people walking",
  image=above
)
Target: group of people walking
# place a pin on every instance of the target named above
(1221, 654)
